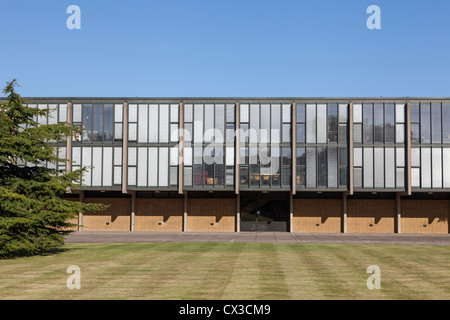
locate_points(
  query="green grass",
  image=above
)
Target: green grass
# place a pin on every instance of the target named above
(230, 271)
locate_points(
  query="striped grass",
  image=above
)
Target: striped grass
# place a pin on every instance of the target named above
(242, 271)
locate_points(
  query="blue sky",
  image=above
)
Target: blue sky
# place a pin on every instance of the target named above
(217, 48)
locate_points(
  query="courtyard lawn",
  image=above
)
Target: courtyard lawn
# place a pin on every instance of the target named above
(230, 271)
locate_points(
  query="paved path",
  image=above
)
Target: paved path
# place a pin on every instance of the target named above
(271, 237)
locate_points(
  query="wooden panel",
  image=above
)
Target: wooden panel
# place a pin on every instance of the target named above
(370, 216)
(211, 215)
(425, 216)
(115, 218)
(154, 214)
(317, 215)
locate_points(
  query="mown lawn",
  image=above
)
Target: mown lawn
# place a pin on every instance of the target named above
(230, 271)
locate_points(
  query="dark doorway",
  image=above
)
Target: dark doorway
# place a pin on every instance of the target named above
(264, 212)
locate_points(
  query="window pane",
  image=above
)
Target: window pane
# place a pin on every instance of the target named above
(300, 110)
(86, 162)
(174, 132)
(390, 122)
(300, 132)
(108, 122)
(286, 132)
(357, 133)
(163, 172)
(343, 176)
(446, 169)
(343, 156)
(87, 122)
(415, 132)
(117, 175)
(400, 157)
(198, 123)
(62, 113)
(357, 157)
(254, 123)
(244, 111)
(357, 113)
(400, 133)
(310, 167)
(76, 156)
(436, 122)
(286, 176)
(357, 177)
(390, 167)
(118, 113)
(415, 157)
(142, 167)
(77, 113)
(425, 122)
(230, 112)
(368, 123)
(173, 113)
(379, 167)
(437, 167)
(153, 122)
(446, 123)
(343, 111)
(132, 176)
(96, 167)
(107, 166)
(164, 124)
(415, 177)
(188, 108)
(425, 167)
(132, 113)
(301, 176)
(244, 176)
(400, 113)
(131, 156)
(368, 168)
(152, 167)
(378, 122)
(321, 123)
(311, 123)
(118, 131)
(187, 176)
(265, 123)
(98, 123)
(332, 122)
(118, 156)
(286, 156)
(276, 120)
(400, 177)
(220, 122)
(132, 133)
(209, 117)
(286, 113)
(343, 132)
(301, 156)
(332, 168)
(143, 123)
(173, 176)
(415, 115)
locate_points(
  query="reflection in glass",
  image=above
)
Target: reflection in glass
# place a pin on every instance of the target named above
(321, 123)
(357, 132)
(108, 114)
(343, 111)
(332, 122)
(300, 132)
(87, 122)
(446, 123)
(300, 110)
(425, 123)
(322, 167)
(390, 122)
(342, 132)
(98, 123)
(378, 122)
(415, 112)
(436, 122)
(367, 123)
(415, 132)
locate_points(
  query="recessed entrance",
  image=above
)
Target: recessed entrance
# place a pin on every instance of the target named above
(264, 212)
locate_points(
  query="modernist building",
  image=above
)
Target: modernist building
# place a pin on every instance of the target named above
(247, 164)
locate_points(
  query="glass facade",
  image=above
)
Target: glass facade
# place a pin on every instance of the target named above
(271, 134)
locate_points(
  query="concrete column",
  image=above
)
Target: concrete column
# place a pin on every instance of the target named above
(238, 213)
(181, 149)
(237, 150)
(291, 211)
(398, 219)
(133, 211)
(125, 148)
(344, 212)
(185, 213)
(350, 148)
(294, 148)
(80, 214)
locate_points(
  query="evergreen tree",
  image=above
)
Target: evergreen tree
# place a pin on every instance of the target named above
(34, 218)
